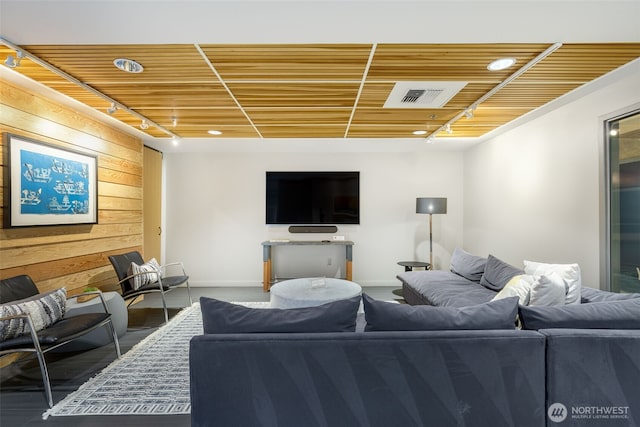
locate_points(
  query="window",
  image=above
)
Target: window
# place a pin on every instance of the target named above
(623, 152)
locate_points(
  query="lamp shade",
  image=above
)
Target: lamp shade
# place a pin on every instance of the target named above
(431, 205)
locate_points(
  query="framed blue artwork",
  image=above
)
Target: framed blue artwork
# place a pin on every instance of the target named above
(49, 185)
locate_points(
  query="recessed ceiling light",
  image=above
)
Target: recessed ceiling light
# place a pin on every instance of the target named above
(128, 65)
(419, 132)
(214, 132)
(501, 64)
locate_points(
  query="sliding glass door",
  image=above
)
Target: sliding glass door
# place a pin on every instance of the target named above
(623, 149)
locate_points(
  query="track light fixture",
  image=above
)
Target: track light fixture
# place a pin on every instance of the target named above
(469, 112)
(174, 121)
(144, 125)
(448, 129)
(113, 108)
(12, 62)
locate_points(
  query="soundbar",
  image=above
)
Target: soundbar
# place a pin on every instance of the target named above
(313, 229)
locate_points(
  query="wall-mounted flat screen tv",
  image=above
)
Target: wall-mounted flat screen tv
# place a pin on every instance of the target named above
(313, 198)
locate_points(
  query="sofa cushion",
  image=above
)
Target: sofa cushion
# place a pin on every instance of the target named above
(44, 309)
(534, 290)
(519, 286)
(442, 288)
(467, 265)
(549, 289)
(570, 273)
(385, 316)
(596, 315)
(497, 273)
(147, 273)
(588, 295)
(221, 317)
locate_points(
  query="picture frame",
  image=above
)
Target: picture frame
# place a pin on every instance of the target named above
(48, 185)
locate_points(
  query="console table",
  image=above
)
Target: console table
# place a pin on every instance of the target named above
(266, 256)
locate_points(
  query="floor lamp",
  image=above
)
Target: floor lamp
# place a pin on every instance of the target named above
(431, 205)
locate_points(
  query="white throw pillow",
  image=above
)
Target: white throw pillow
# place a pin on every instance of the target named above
(518, 286)
(152, 270)
(548, 289)
(570, 273)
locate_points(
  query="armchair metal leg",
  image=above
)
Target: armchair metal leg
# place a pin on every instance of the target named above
(114, 334)
(189, 293)
(45, 377)
(164, 306)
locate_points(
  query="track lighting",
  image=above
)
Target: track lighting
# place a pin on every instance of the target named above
(113, 108)
(469, 113)
(174, 121)
(144, 125)
(448, 129)
(175, 140)
(12, 62)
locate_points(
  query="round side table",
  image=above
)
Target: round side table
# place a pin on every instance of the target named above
(410, 265)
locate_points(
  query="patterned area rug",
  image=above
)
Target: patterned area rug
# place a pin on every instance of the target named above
(150, 379)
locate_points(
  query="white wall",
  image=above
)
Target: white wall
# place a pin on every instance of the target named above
(215, 209)
(534, 192)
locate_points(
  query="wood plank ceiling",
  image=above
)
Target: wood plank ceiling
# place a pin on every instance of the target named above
(317, 90)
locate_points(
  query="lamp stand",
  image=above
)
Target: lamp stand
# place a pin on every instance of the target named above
(431, 241)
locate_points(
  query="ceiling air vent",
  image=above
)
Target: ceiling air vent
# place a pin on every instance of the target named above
(422, 94)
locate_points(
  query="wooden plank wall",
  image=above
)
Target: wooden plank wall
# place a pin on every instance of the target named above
(73, 256)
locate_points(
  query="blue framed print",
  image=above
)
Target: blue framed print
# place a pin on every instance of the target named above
(49, 185)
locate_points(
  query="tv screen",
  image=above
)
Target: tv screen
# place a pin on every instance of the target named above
(313, 198)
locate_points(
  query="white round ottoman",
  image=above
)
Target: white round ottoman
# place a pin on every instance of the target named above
(310, 292)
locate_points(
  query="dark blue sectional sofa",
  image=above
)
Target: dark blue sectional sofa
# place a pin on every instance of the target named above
(592, 349)
(586, 372)
(429, 378)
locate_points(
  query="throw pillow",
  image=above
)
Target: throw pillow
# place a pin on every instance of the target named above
(519, 286)
(568, 272)
(497, 273)
(44, 309)
(144, 274)
(548, 289)
(385, 316)
(596, 315)
(466, 265)
(220, 317)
